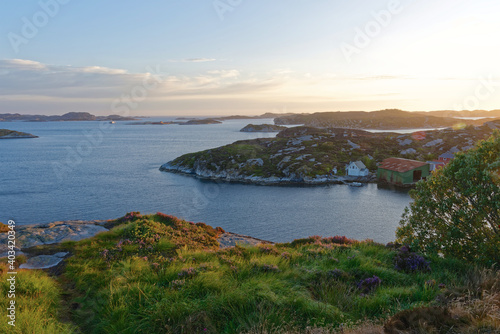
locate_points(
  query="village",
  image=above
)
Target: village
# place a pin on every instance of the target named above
(397, 171)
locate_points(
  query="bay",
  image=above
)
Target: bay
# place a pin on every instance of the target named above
(96, 170)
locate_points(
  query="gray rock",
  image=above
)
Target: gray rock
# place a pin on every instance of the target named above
(34, 235)
(43, 261)
(408, 151)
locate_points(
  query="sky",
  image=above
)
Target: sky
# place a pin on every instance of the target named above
(227, 57)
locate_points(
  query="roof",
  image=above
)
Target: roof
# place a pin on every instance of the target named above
(401, 165)
(447, 155)
(359, 164)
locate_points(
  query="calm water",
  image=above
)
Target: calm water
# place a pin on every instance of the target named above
(116, 171)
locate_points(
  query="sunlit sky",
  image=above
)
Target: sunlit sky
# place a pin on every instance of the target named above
(222, 57)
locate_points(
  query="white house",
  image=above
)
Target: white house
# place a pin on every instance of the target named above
(357, 168)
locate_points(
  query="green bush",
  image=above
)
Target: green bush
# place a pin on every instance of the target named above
(456, 212)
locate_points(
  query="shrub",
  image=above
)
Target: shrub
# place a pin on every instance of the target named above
(456, 212)
(367, 285)
(410, 262)
(4, 228)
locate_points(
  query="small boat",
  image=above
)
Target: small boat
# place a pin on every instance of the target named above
(356, 184)
(112, 122)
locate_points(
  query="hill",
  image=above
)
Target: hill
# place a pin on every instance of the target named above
(389, 119)
(160, 274)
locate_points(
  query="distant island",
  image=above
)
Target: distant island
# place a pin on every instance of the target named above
(263, 128)
(200, 121)
(68, 117)
(189, 122)
(266, 115)
(10, 134)
(307, 155)
(389, 119)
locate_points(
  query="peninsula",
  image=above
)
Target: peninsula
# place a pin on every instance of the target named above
(307, 155)
(10, 134)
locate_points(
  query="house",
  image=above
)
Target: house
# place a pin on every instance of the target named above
(357, 168)
(446, 157)
(402, 171)
(434, 165)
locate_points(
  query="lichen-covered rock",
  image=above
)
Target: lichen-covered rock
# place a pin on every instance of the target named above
(44, 261)
(35, 235)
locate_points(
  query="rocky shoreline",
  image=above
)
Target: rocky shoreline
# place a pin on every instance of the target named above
(30, 236)
(232, 177)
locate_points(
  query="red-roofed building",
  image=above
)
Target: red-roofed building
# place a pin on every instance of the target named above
(402, 171)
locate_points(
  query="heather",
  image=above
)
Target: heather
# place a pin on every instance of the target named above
(160, 274)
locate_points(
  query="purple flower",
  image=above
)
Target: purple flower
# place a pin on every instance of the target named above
(369, 284)
(410, 262)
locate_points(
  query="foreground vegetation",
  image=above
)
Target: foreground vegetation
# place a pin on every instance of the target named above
(457, 211)
(160, 274)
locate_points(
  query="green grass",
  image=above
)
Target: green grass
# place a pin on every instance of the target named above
(160, 274)
(154, 274)
(37, 300)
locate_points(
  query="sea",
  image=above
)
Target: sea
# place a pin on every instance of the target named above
(99, 170)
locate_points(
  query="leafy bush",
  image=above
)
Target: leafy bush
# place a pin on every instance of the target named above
(456, 212)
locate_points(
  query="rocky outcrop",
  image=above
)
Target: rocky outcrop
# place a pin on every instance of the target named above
(229, 239)
(262, 128)
(44, 261)
(28, 236)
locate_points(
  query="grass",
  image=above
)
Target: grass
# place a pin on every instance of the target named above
(160, 274)
(37, 301)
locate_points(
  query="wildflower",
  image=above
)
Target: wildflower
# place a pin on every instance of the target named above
(430, 284)
(189, 272)
(286, 255)
(369, 284)
(335, 273)
(409, 261)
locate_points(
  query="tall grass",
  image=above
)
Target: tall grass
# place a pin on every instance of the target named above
(37, 301)
(159, 274)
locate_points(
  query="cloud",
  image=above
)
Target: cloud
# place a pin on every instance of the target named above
(192, 60)
(29, 81)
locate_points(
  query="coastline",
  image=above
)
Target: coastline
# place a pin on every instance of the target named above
(224, 176)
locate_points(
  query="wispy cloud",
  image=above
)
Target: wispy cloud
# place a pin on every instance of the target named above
(192, 60)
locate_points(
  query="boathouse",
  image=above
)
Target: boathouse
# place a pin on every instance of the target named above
(402, 171)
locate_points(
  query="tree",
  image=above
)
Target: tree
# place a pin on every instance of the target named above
(456, 212)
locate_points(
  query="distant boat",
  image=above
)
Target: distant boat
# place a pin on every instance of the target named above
(356, 184)
(112, 122)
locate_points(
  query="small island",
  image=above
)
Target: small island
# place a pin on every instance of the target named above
(10, 134)
(200, 122)
(263, 128)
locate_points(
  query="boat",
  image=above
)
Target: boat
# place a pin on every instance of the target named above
(112, 122)
(356, 184)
